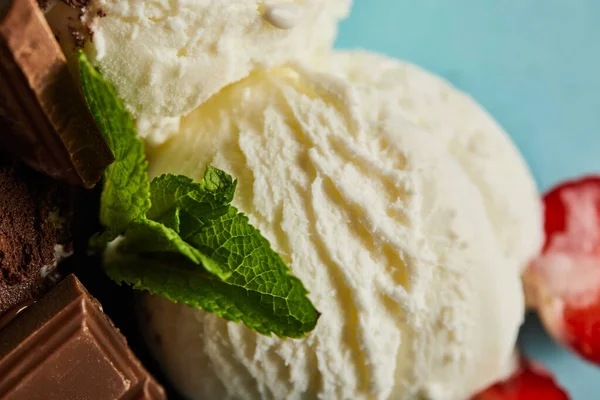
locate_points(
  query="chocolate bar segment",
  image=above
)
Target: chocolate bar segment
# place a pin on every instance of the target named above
(43, 117)
(64, 347)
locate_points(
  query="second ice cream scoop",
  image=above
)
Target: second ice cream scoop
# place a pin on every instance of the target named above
(381, 223)
(482, 148)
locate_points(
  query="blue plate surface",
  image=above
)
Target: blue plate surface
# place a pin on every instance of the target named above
(535, 65)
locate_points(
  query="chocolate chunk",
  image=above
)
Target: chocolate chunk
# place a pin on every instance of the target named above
(64, 347)
(43, 117)
(34, 225)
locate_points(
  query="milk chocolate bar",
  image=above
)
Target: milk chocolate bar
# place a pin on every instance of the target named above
(64, 347)
(43, 117)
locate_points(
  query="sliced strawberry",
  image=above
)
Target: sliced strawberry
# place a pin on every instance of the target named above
(563, 283)
(530, 382)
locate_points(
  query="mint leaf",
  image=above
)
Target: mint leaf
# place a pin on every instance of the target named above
(183, 239)
(231, 269)
(263, 312)
(98, 241)
(185, 205)
(146, 236)
(125, 197)
(229, 246)
(232, 245)
(220, 184)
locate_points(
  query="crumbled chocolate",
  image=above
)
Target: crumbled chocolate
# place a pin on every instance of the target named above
(30, 225)
(78, 37)
(21, 245)
(35, 215)
(101, 13)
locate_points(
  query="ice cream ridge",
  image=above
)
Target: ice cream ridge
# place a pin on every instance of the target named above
(310, 223)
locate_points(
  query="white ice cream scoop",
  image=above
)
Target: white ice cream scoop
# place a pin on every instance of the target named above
(486, 153)
(382, 223)
(167, 57)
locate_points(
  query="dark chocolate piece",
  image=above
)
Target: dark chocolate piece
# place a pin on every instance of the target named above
(43, 117)
(63, 347)
(35, 213)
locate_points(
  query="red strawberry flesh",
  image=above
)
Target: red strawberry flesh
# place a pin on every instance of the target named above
(566, 277)
(530, 382)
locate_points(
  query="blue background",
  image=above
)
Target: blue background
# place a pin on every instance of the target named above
(535, 65)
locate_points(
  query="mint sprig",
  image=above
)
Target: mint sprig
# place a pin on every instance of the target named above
(183, 239)
(187, 206)
(179, 283)
(125, 194)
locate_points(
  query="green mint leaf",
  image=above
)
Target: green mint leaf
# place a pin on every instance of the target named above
(220, 184)
(98, 241)
(229, 249)
(146, 236)
(265, 313)
(233, 243)
(241, 255)
(125, 197)
(185, 205)
(183, 239)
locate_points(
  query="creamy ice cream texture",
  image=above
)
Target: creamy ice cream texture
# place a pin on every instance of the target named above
(398, 201)
(387, 223)
(167, 57)
(470, 134)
